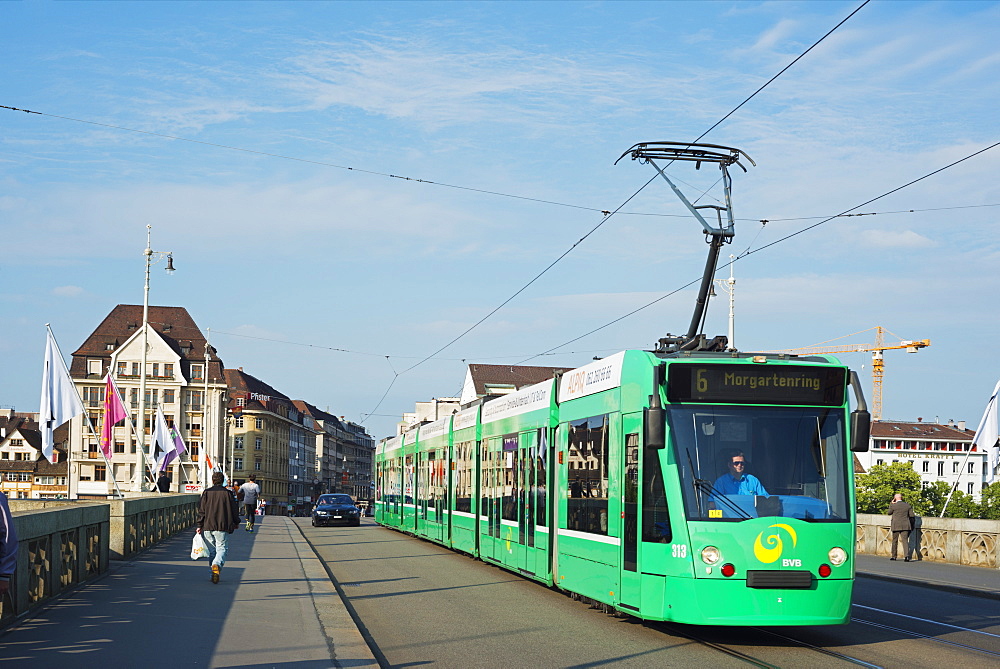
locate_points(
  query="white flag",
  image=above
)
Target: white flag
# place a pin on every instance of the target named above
(987, 435)
(60, 401)
(163, 441)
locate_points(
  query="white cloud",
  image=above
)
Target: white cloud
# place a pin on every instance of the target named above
(67, 291)
(889, 239)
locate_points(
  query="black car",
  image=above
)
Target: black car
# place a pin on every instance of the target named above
(334, 509)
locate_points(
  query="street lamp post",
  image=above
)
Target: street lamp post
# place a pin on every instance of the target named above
(152, 257)
(729, 285)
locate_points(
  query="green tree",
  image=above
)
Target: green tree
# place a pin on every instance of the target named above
(875, 489)
(989, 502)
(961, 505)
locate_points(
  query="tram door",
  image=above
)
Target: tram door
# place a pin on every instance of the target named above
(515, 501)
(631, 482)
(489, 502)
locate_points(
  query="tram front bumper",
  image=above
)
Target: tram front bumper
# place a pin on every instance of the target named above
(710, 601)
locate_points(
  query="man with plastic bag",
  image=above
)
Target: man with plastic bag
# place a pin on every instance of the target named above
(218, 515)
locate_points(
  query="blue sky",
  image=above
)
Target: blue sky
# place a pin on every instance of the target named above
(327, 282)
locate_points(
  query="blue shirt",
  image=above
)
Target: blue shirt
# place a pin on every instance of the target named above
(748, 485)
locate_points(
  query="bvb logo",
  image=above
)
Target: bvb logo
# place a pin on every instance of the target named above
(775, 545)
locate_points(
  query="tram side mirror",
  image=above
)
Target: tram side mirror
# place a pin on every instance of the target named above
(654, 427)
(861, 427)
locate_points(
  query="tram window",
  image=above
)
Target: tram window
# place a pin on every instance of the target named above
(587, 509)
(511, 484)
(795, 462)
(655, 521)
(541, 477)
(463, 476)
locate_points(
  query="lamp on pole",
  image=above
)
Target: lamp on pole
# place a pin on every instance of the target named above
(729, 285)
(152, 257)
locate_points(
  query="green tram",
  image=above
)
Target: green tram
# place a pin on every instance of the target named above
(610, 482)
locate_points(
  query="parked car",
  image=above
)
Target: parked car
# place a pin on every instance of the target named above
(335, 509)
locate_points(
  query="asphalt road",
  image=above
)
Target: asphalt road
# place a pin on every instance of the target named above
(423, 605)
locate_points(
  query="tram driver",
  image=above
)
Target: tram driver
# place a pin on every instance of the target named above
(736, 481)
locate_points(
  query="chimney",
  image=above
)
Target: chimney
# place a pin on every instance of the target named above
(961, 425)
(920, 419)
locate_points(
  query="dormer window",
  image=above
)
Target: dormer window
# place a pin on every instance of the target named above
(109, 346)
(197, 372)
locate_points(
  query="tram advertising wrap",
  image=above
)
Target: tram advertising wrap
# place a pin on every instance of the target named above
(690, 487)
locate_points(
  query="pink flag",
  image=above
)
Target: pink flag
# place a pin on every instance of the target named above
(114, 411)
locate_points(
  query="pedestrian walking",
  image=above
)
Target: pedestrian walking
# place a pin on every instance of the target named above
(900, 523)
(251, 493)
(8, 546)
(218, 517)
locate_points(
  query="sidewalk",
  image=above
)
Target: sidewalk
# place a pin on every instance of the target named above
(976, 581)
(274, 607)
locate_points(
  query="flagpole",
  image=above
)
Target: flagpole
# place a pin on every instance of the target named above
(135, 433)
(203, 465)
(90, 424)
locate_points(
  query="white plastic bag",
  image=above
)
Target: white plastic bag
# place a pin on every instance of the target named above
(198, 547)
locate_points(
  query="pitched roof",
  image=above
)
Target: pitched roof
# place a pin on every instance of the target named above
(245, 386)
(174, 324)
(317, 414)
(887, 429)
(516, 376)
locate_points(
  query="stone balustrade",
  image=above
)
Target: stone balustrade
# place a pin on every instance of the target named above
(959, 540)
(63, 543)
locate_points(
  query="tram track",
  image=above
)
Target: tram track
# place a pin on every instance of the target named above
(756, 661)
(929, 637)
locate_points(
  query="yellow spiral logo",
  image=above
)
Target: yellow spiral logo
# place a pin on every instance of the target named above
(775, 545)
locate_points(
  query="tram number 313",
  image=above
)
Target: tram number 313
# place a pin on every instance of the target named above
(679, 550)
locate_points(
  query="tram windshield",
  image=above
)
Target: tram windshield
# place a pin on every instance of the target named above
(740, 462)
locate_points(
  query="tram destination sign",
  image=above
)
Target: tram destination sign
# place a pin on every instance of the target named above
(757, 384)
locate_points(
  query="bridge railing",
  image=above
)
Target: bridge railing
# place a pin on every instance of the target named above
(64, 543)
(958, 540)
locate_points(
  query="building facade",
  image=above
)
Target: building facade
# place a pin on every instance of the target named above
(263, 427)
(24, 471)
(936, 452)
(183, 376)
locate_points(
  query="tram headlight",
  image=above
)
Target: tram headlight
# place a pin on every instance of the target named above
(838, 556)
(710, 555)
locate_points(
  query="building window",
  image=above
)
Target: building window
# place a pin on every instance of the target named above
(954, 467)
(972, 467)
(927, 466)
(168, 370)
(880, 462)
(193, 449)
(238, 464)
(119, 447)
(241, 401)
(195, 399)
(100, 473)
(156, 370)
(259, 422)
(237, 442)
(256, 465)
(257, 443)
(197, 372)
(971, 488)
(168, 395)
(940, 469)
(135, 369)
(94, 367)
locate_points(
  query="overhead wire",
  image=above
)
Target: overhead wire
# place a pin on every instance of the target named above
(767, 246)
(608, 215)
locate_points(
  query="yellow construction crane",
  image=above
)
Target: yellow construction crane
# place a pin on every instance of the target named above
(878, 365)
